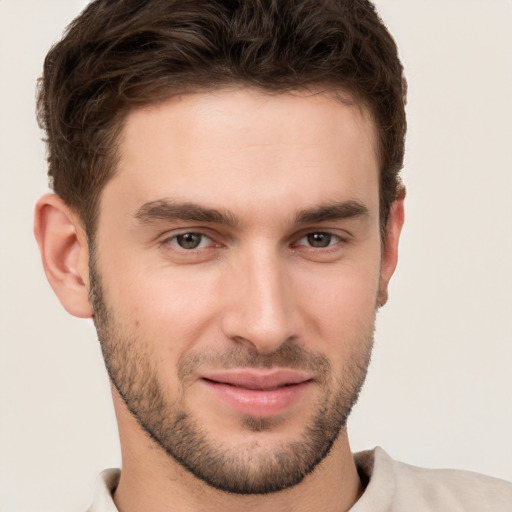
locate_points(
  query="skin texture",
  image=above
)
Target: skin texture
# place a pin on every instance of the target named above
(281, 194)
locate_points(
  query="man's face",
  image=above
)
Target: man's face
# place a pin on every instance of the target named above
(235, 276)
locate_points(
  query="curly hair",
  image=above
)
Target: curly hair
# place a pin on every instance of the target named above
(120, 54)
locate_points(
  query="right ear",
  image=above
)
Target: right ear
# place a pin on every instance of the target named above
(64, 251)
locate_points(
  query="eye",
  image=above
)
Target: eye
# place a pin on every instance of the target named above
(190, 241)
(319, 240)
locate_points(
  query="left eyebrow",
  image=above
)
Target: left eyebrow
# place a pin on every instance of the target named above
(167, 210)
(332, 211)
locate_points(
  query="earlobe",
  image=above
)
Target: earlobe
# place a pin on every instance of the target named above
(64, 252)
(390, 247)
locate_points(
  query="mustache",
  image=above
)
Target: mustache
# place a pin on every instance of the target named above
(288, 355)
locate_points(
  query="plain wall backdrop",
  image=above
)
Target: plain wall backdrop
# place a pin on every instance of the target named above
(439, 388)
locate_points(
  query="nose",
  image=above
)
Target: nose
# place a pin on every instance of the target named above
(261, 311)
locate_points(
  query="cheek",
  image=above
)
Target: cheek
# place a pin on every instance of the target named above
(340, 303)
(166, 307)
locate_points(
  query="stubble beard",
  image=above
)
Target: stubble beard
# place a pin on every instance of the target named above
(248, 469)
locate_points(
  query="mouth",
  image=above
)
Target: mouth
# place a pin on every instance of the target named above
(259, 393)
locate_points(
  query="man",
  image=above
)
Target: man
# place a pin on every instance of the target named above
(228, 210)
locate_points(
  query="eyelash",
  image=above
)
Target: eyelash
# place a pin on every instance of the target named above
(331, 237)
(175, 239)
(205, 244)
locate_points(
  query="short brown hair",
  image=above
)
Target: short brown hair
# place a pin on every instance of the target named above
(120, 54)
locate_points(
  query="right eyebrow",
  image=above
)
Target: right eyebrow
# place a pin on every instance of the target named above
(332, 211)
(164, 209)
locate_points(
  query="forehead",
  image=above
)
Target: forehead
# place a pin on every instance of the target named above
(297, 116)
(240, 146)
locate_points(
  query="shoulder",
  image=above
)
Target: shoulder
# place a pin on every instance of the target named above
(405, 487)
(105, 486)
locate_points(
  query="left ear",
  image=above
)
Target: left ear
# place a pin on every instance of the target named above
(389, 258)
(64, 253)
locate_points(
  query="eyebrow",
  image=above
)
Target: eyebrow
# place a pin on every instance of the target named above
(332, 211)
(164, 209)
(167, 210)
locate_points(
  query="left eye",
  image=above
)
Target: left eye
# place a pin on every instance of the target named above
(319, 240)
(190, 240)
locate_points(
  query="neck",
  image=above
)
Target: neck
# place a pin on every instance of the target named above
(152, 480)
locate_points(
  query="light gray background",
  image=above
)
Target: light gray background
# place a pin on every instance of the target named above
(439, 388)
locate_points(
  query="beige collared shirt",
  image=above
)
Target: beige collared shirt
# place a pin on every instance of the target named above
(392, 487)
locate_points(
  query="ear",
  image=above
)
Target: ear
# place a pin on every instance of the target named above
(390, 245)
(64, 251)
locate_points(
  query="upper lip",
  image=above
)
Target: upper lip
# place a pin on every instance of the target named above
(258, 379)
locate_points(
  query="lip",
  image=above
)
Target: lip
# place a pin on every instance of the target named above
(258, 392)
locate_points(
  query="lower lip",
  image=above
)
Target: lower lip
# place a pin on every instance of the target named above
(256, 402)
